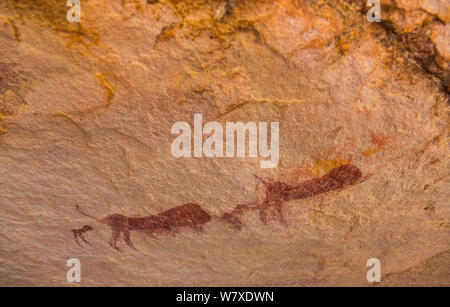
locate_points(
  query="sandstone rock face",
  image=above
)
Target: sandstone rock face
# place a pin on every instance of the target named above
(423, 27)
(86, 111)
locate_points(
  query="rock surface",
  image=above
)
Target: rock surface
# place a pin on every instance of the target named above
(86, 111)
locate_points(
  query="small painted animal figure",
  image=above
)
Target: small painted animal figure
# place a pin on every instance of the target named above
(79, 233)
(187, 215)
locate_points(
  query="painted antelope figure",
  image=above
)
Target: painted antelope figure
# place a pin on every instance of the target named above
(187, 215)
(278, 192)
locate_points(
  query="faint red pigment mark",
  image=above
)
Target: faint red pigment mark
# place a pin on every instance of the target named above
(233, 217)
(187, 215)
(278, 192)
(434, 161)
(380, 140)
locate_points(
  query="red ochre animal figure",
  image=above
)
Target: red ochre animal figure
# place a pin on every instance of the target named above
(187, 215)
(278, 192)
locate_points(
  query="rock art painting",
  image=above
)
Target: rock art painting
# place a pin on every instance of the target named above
(209, 143)
(187, 215)
(192, 215)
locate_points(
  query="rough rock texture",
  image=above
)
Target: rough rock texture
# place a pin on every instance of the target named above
(86, 112)
(423, 27)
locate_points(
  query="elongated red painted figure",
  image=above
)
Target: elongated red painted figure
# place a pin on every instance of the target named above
(187, 215)
(278, 192)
